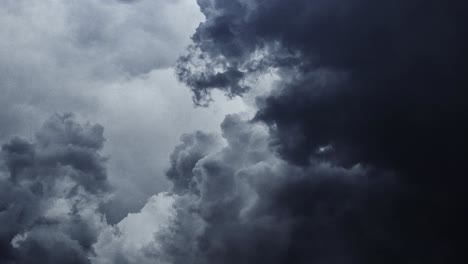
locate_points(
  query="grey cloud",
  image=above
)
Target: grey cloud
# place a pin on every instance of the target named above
(193, 148)
(248, 206)
(379, 84)
(51, 191)
(55, 53)
(59, 145)
(356, 156)
(202, 79)
(378, 50)
(49, 246)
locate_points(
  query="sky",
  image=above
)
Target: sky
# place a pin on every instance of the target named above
(232, 131)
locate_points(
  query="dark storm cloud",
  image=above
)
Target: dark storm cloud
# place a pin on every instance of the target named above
(61, 143)
(404, 60)
(203, 82)
(247, 206)
(381, 84)
(50, 192)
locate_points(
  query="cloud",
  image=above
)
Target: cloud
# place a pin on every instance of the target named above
(109, 62)
(139, 148)
(51, 192)
(132, 240)
(244, 204)
(61, 142)
(352, 57)
(194, 147)
(56, 52)
(354, 155)
(378, 85)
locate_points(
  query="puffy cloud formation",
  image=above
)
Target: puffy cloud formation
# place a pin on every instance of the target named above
(243, 204)
(51, 190)
(52, 193)
(366, 90)
(194, 147)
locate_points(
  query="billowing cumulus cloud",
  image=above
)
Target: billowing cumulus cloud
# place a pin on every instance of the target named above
(194, 147)
(51, 190)
(242, 204)
(379, 85)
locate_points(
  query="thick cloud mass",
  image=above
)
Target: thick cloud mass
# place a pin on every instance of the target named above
(380, 84)
(51, 190)
(404, 60)
(194, 147)
(245, 205)
(355, 155)
(370, 78)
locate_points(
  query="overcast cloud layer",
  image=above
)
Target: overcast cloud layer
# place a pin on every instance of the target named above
(301, 131)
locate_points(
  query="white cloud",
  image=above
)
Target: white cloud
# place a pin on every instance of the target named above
(126, 241)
